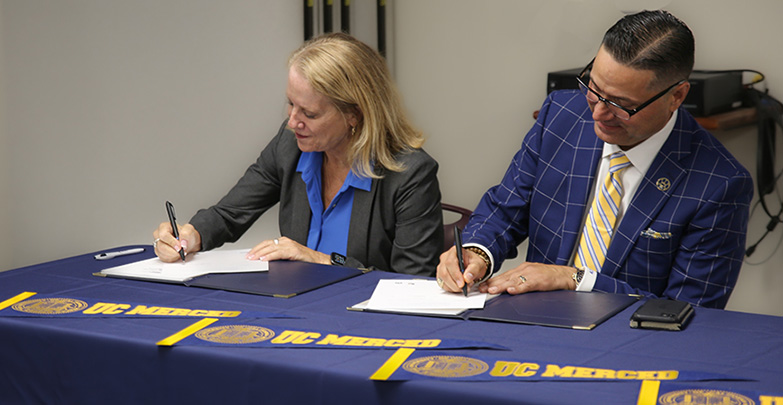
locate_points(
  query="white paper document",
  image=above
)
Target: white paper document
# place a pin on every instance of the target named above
(421, 296)
(198, 264)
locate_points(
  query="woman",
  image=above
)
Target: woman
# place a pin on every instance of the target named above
(354, 185)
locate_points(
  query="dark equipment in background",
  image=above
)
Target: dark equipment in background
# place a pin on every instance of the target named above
(562, 79)
(328, 19)
(345, 16)
(381, 15)
(713, 92)
(311, 21)
(770, 116)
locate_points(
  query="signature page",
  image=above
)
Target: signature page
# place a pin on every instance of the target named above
(198, 264)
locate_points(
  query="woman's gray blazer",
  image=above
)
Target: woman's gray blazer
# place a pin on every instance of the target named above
(396, 226)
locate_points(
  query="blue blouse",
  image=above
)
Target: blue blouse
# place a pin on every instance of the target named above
(329, 228)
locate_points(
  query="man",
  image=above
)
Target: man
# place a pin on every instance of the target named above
(616, 187)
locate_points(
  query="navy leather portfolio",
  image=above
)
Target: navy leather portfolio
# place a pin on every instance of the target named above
(565, 309)
(284, 279)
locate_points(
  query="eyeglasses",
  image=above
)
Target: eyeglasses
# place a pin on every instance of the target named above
(616, 109)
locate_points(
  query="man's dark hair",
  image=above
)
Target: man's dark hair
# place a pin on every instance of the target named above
(652, 40)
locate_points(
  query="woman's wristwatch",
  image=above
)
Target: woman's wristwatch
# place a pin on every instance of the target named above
(337, 259)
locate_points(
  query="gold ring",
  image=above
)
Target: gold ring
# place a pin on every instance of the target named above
(440, 282)
(524, 280)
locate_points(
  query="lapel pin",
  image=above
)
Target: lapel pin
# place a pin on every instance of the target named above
(663, 184)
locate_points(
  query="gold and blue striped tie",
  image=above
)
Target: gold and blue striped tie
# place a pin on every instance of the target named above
(601, 219)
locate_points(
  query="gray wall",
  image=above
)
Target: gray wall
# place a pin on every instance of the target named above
(113, 107)
(110, 107)
(6, 233)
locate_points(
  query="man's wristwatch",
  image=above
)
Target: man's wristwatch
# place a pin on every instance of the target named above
(577, 277)
(338, 259)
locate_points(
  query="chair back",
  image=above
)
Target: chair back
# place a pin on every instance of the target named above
(448, 228)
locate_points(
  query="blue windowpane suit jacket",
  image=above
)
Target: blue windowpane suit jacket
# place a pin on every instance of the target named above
(682, 237)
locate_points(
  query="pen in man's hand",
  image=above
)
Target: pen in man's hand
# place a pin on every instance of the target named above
(458, 244)
(173, 220)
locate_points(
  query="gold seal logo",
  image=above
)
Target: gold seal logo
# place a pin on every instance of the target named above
(446, 366)
(235, 334)
(694, 397)
(50, 306)
(663, 184)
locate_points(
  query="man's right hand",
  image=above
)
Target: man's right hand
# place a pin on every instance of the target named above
(449, 276)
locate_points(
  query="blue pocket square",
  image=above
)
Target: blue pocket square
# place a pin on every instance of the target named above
(649, 233)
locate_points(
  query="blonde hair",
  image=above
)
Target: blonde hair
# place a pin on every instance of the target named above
(356, 79)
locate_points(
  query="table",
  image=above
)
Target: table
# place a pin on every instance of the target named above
(116, 360)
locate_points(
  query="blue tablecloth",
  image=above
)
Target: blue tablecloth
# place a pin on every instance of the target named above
(116, 360)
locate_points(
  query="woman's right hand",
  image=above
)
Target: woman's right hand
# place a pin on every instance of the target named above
(167, 247)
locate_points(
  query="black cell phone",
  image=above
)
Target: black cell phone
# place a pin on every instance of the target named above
(662, 313)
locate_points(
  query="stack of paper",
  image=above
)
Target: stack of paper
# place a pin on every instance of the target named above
(423, 297)
(198, 264)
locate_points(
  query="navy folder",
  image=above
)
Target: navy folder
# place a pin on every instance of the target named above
(565, 309)
(284, 279)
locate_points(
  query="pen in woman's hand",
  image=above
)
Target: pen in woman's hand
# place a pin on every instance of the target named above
(174, 230)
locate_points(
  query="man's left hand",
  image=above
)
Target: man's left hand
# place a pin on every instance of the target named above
(529, 277)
